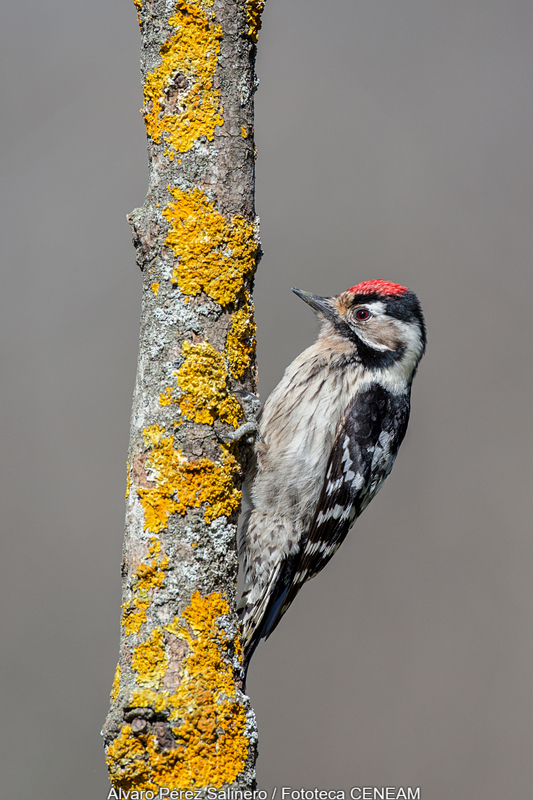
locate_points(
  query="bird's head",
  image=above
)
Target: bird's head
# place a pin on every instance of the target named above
(382, 320)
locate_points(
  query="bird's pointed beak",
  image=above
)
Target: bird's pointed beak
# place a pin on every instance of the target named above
(320, 304)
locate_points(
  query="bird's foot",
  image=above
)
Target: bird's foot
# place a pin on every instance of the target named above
(247, 431)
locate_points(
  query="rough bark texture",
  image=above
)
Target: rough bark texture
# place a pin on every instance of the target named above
(178, 718)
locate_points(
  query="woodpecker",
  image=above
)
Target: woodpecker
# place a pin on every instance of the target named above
(327, 438)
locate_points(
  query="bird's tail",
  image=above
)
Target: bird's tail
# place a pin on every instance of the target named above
(261, 614)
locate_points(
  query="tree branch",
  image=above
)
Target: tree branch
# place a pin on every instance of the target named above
(178, 717)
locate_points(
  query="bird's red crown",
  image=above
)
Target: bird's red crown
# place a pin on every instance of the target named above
(378, 287)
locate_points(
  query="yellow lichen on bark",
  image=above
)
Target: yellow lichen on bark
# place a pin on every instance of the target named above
(134, 615)
(210, 722)
(254, 9)
(166, 397)
(215, 256)
(183, 484)
(138, 5)
(150, 574)
(152, 435)
(126, 761)
(203, 379)
(188, 62)
(240, 341)
(115, 689)
(149, 660)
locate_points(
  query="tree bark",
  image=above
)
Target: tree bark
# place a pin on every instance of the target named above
(178, 718)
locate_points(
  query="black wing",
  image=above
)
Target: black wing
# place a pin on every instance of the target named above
(361, 458)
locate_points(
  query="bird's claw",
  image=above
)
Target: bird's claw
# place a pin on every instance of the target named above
(248, 430)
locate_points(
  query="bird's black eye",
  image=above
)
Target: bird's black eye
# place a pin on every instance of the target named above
(362, 314)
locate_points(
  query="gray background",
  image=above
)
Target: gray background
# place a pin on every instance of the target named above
(395, 140)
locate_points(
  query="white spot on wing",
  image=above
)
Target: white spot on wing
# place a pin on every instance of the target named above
(334, 486)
